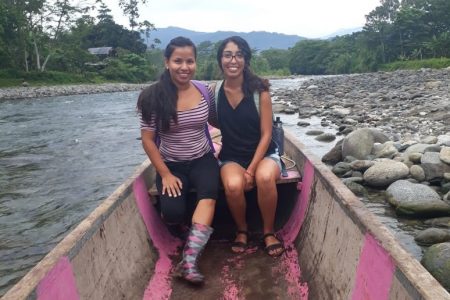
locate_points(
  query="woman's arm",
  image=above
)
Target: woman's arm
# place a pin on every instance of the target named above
(265, 114)
(170, 183)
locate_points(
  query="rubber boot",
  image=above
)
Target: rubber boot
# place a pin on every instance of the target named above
(195, 243)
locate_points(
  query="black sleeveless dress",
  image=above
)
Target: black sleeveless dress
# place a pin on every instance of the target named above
(241, 131)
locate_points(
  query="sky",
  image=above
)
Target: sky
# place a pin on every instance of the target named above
(306, 18)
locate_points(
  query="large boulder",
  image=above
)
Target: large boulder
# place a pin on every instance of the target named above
(356, 188)
(361, 165)
(325, 137)
(385, 172)
(416, 199)
(433, 166)
(417, 173)
(419, 148)
(431, 236)
(334, 155)
(437, 261)
(439, 222)
(386, 150)
(359, 143)
(444, 140)
(444, 155)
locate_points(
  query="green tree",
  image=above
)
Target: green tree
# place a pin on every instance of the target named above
(439, 46)
(18, 20)
(147, 27)
(342, 55)
(110, 34)
(55, 18)
(155, 58)
(260, 65)
(128, 67)
(130, 8)
(207, 67)
(277, 59)
(309, 57)
(379, 24)
(411, 29)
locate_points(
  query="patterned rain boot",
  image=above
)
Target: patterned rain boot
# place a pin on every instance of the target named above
(195, 243)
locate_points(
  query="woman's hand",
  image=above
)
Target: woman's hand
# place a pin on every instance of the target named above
(249, 180)
(171, 185)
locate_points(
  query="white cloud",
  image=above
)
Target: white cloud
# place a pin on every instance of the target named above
(308, 18)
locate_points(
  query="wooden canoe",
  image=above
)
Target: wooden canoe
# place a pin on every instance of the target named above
(336, 249)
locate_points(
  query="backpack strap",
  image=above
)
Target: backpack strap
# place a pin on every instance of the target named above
(256, 98)
(216, 94)
(204, 91)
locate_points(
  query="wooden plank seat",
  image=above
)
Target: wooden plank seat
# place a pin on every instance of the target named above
(293, 176)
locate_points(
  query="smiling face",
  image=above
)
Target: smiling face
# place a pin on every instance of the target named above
(181, 65)
(232, 61)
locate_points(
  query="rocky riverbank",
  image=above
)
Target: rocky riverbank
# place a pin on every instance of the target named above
(64, 90)
(395, 130)
(404, 103)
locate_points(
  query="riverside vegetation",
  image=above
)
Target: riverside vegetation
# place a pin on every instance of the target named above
(45, 42)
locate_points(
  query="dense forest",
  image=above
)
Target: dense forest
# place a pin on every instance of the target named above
(47, 41)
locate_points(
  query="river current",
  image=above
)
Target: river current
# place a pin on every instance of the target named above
(60, 156)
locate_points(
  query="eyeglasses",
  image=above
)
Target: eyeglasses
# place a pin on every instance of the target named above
(228, 55)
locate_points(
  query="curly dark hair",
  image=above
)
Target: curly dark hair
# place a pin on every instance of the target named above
(159, 100)
(251, 82)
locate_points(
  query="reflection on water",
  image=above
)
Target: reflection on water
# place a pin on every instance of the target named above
(60, 156)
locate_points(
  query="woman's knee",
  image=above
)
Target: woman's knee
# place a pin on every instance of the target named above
(266, 173)
(265, 180)
(233, 186)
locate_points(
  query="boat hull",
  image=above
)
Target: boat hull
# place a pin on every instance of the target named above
(336, 249)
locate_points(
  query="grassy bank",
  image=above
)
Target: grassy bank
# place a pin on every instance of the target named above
(433, 63)
(11, 78)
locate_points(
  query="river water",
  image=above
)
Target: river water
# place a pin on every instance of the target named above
(60, 156)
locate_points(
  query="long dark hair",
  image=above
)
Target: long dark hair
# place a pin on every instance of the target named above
(160, 99)
(251, 82)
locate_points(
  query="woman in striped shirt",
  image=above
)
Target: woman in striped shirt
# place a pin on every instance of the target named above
(175, 112)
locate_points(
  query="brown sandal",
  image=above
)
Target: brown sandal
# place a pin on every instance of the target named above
(272, 250)
(241, 246)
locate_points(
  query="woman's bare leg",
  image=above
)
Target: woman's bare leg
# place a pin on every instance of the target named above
(233, 182)
(266, 175)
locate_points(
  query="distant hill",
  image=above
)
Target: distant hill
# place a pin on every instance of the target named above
(261, 40)
(341, 32)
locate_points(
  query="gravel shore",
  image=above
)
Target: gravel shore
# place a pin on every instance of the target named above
(63, 90)
(404, 103)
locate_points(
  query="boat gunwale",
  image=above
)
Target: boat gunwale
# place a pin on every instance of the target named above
(411, 269)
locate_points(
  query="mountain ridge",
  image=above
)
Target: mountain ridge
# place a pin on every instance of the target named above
(259, 40)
